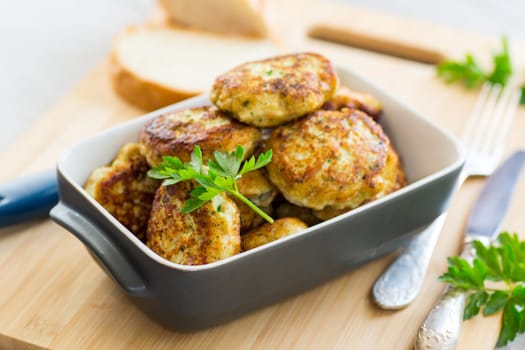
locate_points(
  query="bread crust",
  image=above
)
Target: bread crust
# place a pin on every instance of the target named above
(218, 16)
(149, 91)
(140, 92)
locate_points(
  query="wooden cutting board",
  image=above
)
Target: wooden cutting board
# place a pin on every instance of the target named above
(53, 295)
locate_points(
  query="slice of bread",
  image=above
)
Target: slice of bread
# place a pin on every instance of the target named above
(244, 17)
(154, 66)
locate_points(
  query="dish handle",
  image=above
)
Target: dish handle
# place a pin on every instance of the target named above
(111, 258)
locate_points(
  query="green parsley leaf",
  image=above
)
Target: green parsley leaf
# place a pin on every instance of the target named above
(220, 176)
(472, 75)
(468, 72)
(464, 276)
(502, 261)
(197, 191)
(508, 259)
(224, 182)
(522, 98)
(192, 204)
(208, 194)
(173, 181)
(490, 256)
(502, 65)
(496, 302)
(474, 303)
(522, 323)
(252, 164)
(518, 295)
(227, 164)
(510, 324)
(173, 162)
(515, 244)
(196, 159)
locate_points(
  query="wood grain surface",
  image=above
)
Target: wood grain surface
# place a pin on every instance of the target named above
(53, 295)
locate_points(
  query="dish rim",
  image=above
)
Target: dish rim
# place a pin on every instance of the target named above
(245, 254)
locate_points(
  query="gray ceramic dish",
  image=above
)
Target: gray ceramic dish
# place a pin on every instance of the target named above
(194, 297)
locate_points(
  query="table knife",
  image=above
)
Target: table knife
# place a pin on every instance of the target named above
(441, 328)
(375, 43)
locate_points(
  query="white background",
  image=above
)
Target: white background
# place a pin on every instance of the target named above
(48, 45)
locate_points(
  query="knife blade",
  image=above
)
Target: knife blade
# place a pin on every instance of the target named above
(440, 330)
(492, 203)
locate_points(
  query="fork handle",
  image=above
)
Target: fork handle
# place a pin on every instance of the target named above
(399, 285)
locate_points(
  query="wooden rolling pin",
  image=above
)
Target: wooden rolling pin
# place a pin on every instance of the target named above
(390, 47)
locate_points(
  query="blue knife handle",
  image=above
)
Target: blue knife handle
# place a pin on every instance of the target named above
(27, 198)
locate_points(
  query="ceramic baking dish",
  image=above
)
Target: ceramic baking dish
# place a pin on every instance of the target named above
(188, 298)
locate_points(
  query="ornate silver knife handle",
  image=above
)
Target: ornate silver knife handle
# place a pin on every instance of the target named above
(399, 285)
(441, 328)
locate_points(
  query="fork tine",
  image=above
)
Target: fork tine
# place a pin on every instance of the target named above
(493, 128)
(478, 134)
(508, 117)
(476, 112)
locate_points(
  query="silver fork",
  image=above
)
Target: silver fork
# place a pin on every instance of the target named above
(484, 140)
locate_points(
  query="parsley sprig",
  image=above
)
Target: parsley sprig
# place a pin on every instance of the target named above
(500, 264)
(472, 75)
(468, 71)
(219, 176)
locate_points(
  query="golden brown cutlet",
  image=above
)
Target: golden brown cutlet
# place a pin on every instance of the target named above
(270, 232)
(207, 234)
(177, 134)
(273, 91)
(124, 189)
(331, 159)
